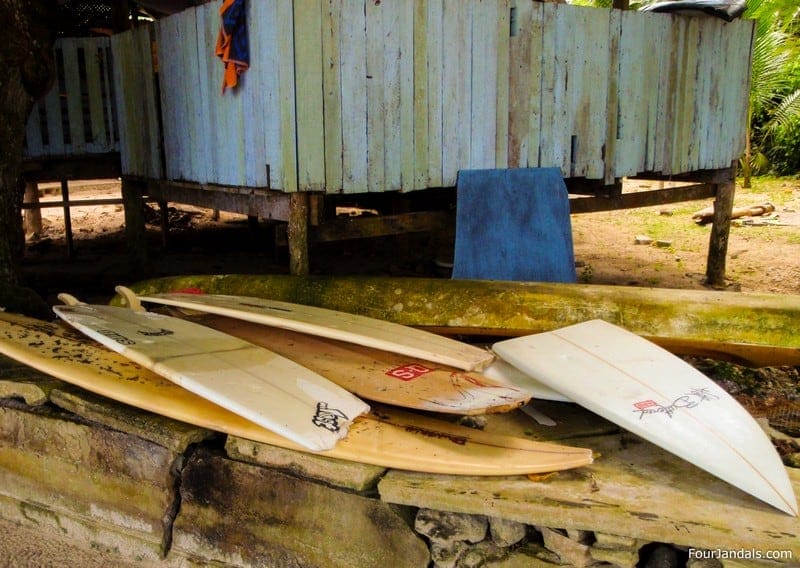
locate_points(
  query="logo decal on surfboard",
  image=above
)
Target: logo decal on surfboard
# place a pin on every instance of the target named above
(328, 418)
(408, 372)
(689, 400)
(115, 336)
(161, 332)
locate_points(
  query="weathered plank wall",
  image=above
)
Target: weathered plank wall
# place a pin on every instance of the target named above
(356, 96)
(140, 138)
(77, 116)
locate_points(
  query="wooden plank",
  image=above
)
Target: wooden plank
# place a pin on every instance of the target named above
(519, 84)
(421, 90)
(435, 54)
(548, 150)
(33, 134)
(483, 86)
(390, 87)
(633, 94)
(309, 95)
(166, 36)
(283, 15)
(594, 62)
(55, 129)
(256, 96)
(354, 96)
(369, 227)
(666, 94)
(613, 98)
(196, 55)
(376, 109)
(120, 48)
(456, 89)
(69, 49)
(268, 78)
(99, 140)
(208, 77)
(502, 93)
(332, 85)
(652, 77)
(537, 81)
(407, 102)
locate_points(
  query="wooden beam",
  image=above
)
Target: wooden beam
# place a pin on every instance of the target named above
(33, 215)
(720, 230)
(135, 227)
(297, 234)
(261, 203)
(368, 227)
(643, 198)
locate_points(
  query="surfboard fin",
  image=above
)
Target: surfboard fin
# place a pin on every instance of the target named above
(69, 299)
(130, 298)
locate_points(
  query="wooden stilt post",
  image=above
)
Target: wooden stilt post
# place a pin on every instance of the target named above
(720, 230)
(163, 209)
(33, 217)
(135, 227)
(297, 234)
(67, 218)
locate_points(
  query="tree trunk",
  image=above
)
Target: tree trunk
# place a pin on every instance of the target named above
(26, 56)
(747, 171)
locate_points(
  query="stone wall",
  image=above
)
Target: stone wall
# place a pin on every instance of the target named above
(156, 492)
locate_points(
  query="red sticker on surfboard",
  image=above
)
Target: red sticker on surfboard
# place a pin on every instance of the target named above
(408, 372)
(645, 404)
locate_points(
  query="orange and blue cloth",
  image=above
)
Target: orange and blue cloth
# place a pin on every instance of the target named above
(232, 46)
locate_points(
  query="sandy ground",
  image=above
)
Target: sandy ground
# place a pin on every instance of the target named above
(763, 252)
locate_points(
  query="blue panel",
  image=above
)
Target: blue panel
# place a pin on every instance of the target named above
(513, 225)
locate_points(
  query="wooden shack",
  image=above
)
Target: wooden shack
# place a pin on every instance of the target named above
(356, 98)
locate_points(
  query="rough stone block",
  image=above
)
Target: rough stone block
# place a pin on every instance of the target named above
(570, 551)
(605, 540)
(26, 384)
(93, 475)
(623, 557)
(505, 532)
(444, 527)
(352, 475)
(171, 434)
(243, 514)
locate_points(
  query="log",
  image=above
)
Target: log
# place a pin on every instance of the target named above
(755, 329)
(706, 215)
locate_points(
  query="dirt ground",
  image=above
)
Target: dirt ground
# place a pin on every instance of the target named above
(763, 251)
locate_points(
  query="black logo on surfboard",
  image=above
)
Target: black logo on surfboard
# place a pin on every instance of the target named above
(152, 332)
(328, 418)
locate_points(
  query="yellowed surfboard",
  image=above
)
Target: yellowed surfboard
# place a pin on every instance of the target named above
(380, 375)
(270, 390)
(385, 437)
(342, 326)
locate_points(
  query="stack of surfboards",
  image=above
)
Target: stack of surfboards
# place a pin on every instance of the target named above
(275, 365)
(193, 373)
(614, 373)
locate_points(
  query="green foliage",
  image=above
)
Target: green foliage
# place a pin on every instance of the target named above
(775, 89)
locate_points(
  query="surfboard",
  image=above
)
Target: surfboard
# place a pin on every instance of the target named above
(379, 375)
(507, 374)
(270, 390)
(362, 330)
(650, 392)
(385, 437)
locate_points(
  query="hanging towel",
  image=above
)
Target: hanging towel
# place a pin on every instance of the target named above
(232, 45)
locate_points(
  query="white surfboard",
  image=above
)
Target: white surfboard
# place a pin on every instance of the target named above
(267, 389)
(650, 392)
(508, 374)
(332, 324)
